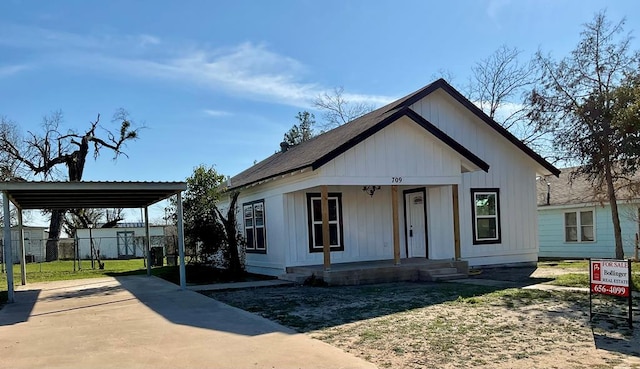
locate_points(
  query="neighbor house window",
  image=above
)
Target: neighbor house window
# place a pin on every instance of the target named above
(578, 226)
(314, 213)
(254, 230)
(485, 209)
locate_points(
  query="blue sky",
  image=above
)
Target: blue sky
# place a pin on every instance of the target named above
(220, 82)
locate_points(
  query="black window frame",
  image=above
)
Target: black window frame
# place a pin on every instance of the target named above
(311, 196)
(253, 248)
(474, 217)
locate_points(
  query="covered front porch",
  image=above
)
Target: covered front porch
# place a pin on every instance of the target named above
(391, 225)
(381, 271)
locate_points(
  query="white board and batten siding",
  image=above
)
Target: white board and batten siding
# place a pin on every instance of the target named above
(273, 261)
(511, 171)
(401, 150)
(552, 231)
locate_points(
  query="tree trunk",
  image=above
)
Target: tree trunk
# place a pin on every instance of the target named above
(75, 167)
(611, 192)
(235, 266)
(55, 225)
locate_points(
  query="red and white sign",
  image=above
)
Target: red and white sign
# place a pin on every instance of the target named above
(610, 277)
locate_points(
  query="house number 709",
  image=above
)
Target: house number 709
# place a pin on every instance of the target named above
(396, 179)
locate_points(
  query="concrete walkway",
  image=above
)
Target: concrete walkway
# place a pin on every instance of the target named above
(146, 322)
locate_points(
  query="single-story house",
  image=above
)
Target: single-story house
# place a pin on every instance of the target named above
(35, 239)
(428, 176)
(574, 218)
(125, 241)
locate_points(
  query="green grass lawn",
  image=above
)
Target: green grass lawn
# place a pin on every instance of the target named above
(63, 270)
(581, 277)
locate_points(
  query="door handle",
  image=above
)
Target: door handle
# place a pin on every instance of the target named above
(411, 233)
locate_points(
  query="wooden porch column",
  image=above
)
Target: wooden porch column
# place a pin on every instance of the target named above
(456, 221)
(396, 227)
(326, 243)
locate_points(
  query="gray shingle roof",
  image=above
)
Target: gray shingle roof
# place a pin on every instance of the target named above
(565, 190)
(325, 147)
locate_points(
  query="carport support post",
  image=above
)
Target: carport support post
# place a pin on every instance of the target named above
(147, 243)
(8, 257)
(183, 276)
(23, 264)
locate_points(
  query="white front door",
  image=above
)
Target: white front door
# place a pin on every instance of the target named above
(416, 230)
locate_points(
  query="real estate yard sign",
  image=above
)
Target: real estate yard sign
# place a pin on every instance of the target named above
(610, 277)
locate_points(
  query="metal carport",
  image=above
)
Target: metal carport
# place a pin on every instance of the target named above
(70, 195)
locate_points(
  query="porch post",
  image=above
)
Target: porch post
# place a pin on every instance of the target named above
(8, 257)
(326, 243)
(456, 221)
(396, 227)
(23, 267)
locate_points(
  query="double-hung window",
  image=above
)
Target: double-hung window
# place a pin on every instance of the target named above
(254, 226)
(314, 215)
(485, 209)
(578, 226)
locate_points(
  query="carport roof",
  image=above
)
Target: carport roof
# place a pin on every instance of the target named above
(66, 195)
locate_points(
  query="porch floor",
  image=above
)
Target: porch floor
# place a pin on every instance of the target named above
(381, 271)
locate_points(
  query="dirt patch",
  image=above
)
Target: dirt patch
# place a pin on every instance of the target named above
(423, 325)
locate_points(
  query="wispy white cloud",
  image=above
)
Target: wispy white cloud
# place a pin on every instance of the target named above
(9, 70)
(248, 70)
(216, 113)
(494, 7)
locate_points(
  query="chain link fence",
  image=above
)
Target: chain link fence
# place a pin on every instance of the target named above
(94, 248)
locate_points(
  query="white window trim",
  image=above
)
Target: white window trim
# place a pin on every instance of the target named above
(476, 239)
(578, 225)
(254, 247)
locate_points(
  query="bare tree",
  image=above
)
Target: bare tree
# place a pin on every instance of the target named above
(10, 169)
(500, 85)
(83, 218)
(585, 98)
(43, 153)
(337, 110)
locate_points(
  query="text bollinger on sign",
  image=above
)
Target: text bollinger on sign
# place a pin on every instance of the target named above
(610, 277)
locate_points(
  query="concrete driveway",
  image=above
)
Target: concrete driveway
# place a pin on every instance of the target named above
(146, 322)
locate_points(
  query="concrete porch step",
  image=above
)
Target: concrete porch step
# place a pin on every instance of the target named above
(297, 278)
(447, 277)
(440, 271)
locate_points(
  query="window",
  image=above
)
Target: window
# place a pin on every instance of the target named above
(485, 209)
(254, 231)
(314, 214)
(578, 226)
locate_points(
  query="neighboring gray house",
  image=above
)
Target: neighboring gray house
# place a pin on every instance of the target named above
(34, 243)
(574, 219)
(427, 176)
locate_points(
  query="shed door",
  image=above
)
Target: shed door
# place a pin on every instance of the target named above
(126, 246)
(416, 231)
